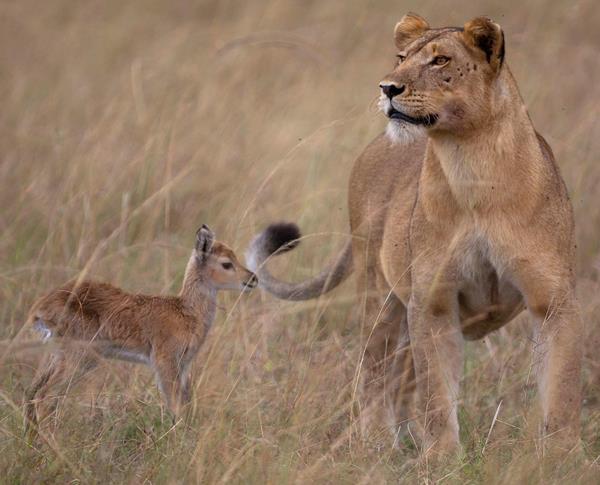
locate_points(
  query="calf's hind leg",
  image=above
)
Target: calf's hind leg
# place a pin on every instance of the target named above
(36, 393)
(57, 374)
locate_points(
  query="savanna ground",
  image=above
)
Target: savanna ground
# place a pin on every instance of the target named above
(126, 125)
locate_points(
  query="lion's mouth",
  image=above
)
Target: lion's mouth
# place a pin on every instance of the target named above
(426, 120)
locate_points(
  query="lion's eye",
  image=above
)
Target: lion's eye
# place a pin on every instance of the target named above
(440, 60)
(400, 57)
(227, 265)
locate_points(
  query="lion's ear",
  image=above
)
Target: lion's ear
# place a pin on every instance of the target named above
(410, 27)
(487, 36)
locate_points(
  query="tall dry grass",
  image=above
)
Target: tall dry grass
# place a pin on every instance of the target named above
(125, 125)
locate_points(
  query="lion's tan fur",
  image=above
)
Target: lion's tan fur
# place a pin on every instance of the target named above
(458, 230)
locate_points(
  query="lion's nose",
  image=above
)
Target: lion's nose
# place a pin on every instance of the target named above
(391, 89)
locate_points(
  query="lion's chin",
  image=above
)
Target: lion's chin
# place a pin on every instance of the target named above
(403, 133)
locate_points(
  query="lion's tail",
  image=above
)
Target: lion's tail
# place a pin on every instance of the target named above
(284, 236)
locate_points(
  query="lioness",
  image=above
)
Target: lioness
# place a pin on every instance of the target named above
(460, 219)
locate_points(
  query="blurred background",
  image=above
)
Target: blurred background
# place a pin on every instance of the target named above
(124, 126)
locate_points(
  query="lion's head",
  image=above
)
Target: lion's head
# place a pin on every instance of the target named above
(444, 78)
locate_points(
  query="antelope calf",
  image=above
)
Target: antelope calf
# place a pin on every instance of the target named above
(163, 332)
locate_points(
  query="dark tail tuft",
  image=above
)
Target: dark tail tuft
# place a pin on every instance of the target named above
(281, 236)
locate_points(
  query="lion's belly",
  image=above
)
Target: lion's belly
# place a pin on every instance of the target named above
(487, 301)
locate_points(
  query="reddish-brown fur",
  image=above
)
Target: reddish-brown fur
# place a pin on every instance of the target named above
(164, 332)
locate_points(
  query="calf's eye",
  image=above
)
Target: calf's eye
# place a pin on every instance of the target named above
(227, 265)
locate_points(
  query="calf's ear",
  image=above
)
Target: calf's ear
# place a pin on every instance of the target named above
(205, 239)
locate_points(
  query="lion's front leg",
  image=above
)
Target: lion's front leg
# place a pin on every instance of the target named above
(437, 349)
(557, 351)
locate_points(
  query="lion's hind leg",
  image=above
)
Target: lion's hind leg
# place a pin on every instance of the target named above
(387, 374)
